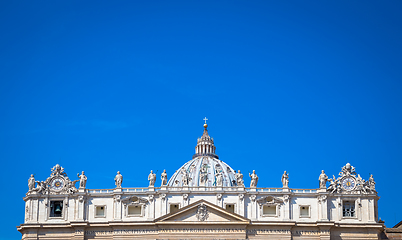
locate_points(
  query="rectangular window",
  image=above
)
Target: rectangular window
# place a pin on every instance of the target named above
(56, 208)
(134, 210)
(100, 211)
(174, 207)
(269, 210)
(230, 208)
(349, 209)
(304, 211)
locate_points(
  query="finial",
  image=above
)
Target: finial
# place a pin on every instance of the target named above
(205, 124)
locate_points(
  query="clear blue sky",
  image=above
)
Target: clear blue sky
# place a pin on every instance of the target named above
(104, 86)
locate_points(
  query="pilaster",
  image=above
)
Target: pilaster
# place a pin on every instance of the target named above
(371, 210)
(117, 207)
(151, 213)
(323, 206)
(240, 204)
(219, 201)
(286, 207)
(253, 207)
(185, 199)
(163, 206)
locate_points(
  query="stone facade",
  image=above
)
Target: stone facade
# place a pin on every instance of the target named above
(204, 199)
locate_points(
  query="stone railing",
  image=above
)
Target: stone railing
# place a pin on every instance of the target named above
(266, 189)
(304, 190)
(135, 189)
(100, 190)
(203, 189)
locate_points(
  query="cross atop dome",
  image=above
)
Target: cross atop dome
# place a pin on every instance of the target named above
(205, 124)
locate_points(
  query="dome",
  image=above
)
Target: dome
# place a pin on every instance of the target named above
(205, 169)
(202, 171)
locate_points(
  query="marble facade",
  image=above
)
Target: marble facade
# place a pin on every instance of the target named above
(203, 199)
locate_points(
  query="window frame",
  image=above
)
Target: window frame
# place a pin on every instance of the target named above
(142, 206)
(300, 211)
(170, 204)
(104, 211)
(270, 205)
(234, 206)
(352, 201)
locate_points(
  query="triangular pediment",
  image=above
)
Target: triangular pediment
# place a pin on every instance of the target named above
(202, 211)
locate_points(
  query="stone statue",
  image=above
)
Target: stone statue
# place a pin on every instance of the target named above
(41, 188)
(323, 179)
(360, 184)
(285, 180)
(152, 179)
(219, 179)
(118, 179)
(332, 185)
(83, 179)
(31, 183)
(371, 183)
(164, 178)
(70, 186)
(204, 174)
(239, 179)
(254, 179)
(185, 177)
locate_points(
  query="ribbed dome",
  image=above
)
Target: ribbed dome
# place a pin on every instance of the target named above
(205, 169)
(202, 171)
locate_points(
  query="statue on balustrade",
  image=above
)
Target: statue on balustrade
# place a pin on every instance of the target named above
(239, 179)
(285, 179)
(118, 179)
(83, 179)
(323, 179)
(152, 179)
(31, 183)
(164, 178)
(254, 179)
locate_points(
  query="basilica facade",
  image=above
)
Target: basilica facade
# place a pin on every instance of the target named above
(204, 199)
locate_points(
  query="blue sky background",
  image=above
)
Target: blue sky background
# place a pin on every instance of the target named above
(104, 86)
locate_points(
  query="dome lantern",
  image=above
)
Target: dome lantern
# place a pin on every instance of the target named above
(205, 144)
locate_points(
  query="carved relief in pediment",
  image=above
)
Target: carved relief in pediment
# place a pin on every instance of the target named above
(202, 211)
